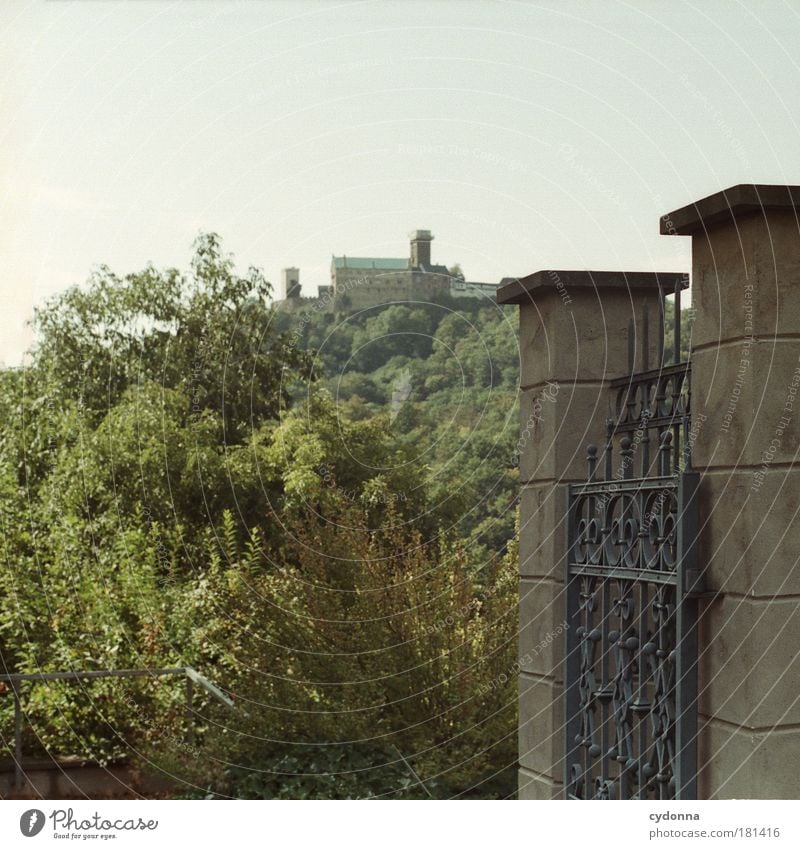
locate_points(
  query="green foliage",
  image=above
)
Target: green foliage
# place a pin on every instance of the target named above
(206, 333)
(459, 416)
(346, 771)
(396, 331)
(312, 510)
(687, 320)
(370, 640)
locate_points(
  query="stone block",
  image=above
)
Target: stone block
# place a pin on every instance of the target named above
(557, 423)
(750, 396)
(749, 665)
(587, 339)
(542, 532)
(750, 537)
(541, 627)
(537, 788)
(734, 763)
(762, 253)
(540, 725)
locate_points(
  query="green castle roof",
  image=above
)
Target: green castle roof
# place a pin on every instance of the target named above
(382, 263)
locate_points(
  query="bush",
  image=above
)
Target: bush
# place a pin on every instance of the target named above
(367, 642)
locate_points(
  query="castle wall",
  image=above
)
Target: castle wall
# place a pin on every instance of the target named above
(358, 288)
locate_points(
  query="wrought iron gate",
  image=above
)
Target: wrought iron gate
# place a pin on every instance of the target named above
(631, 594)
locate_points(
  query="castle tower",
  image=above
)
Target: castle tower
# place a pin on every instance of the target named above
(421, 248)
(291, 282)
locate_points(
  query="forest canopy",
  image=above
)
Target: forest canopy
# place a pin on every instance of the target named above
(315, 510)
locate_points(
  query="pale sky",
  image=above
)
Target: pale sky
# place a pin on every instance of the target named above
(524, 135)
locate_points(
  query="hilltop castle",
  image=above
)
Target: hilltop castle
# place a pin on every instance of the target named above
(363, 282)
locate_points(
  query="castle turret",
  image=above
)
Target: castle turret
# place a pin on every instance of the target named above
(291, 282)
(421, 248)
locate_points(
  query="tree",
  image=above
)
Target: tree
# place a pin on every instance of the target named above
(208, 333)
(372, 643)
(181, 484)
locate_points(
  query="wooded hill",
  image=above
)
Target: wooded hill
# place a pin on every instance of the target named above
(313, 513)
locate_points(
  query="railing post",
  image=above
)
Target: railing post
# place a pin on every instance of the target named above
(572, 659)
(686, 608)
(189, 710)
(19, 775)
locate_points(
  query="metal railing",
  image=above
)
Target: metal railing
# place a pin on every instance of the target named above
(632, 584)
(192, 676)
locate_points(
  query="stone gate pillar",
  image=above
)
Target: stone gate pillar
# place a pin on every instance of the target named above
(745, 381)
(578, 331)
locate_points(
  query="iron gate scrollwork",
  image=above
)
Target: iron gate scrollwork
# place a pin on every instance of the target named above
(631, 593)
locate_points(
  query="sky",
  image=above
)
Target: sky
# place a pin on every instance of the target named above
(525, 135)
